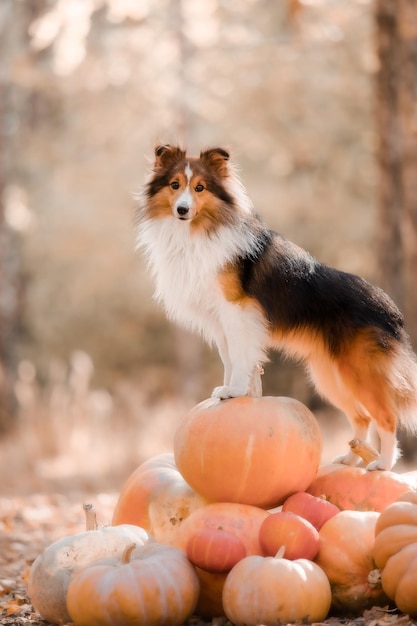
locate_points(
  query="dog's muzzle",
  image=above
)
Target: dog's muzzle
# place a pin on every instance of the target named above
(183, 212)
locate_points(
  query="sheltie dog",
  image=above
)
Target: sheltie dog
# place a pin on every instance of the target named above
(220, 271)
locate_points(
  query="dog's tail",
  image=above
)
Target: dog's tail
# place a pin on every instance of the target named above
(402, 380)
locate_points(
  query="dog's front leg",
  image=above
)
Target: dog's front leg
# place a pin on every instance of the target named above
(255, 385)
(223, 351)
(245, 335)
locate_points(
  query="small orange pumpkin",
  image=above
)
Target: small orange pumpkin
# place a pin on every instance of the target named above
(395, 551)
(314, 509)
(215, 549)
(346, 556)
(356, 489)
(300, 538)
(253, 451)
(157, 498)
(241, 520)
(273, 590)
(151, 585)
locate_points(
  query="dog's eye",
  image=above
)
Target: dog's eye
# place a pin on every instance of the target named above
(175, 185)
(199, 188)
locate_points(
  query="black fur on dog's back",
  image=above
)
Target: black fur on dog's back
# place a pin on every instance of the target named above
(296, 291)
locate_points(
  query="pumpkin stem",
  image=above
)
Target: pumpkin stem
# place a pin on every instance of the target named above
(255, 388)
(90, 517)
(127, 553)
(364, 450)
(280, 553)
(374, 579)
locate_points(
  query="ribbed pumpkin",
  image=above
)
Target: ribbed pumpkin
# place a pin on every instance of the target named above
(249, 450)
(273, 590)
(215, 549)
(157, 498)
(395, 551)
(152, 585)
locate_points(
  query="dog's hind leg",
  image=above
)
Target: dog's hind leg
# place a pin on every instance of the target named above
(365, 374)
(327, 378)
(374, 393)
(360, 428)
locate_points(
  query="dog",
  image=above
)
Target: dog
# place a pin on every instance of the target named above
(220, 271)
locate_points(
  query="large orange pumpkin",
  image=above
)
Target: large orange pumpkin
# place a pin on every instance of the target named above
(157, 498)
(356, 489)
(249, 450)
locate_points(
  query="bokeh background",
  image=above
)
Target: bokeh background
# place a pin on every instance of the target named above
(100, 379)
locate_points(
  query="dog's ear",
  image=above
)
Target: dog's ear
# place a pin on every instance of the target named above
(166, 155)
(217, 159)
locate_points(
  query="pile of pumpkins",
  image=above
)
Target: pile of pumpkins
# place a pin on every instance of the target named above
(239, 521)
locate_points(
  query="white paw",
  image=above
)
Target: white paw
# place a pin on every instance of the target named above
(228, 392)
(348, 459)
(379, 464)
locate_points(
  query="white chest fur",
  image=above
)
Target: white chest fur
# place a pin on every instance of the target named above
(185, 266)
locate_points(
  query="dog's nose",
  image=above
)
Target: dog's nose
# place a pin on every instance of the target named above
(182, 210)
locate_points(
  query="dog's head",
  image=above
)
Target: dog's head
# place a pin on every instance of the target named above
(190, 188)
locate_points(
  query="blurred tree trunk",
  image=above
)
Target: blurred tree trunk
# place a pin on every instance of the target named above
(7, 261)
(14, 22)
(396, 108)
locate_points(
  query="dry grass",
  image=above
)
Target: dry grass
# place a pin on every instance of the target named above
(70, 436)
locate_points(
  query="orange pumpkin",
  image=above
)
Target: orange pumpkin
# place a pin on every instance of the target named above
(157, 498)
(300, 538)
(315, 510)
(215, 549)
(152, 585)
(249, 450)
(241, 520)
(346, 556)
(356, 489)
(395, 551)
(273, 590)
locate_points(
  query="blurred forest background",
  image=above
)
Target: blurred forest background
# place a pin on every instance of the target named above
(317, 101)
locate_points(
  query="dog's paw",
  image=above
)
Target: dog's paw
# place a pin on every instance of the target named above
(348, 459)
(379, 464)
(228, 392)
